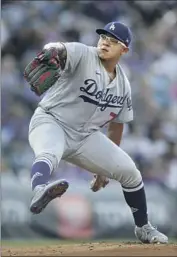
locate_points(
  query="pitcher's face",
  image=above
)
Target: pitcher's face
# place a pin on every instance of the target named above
(110, 47)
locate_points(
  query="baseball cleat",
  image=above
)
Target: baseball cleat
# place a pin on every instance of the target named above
(43, 194)
(98, 182)
(150, 235)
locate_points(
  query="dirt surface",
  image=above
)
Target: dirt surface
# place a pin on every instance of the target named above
(92, 249)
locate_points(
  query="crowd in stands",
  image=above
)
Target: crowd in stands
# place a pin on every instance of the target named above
(151, 66)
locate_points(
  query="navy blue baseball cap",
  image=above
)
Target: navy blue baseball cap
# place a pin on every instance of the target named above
(119, 30)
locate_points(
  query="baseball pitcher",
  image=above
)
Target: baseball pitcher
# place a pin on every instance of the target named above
(84, 88)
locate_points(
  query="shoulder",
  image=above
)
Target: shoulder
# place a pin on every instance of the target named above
(76, 46)
(82, 49)
(93, 50)
(124, 77)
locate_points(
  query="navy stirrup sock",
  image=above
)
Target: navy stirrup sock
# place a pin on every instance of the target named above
(40, 174)
(137, 202)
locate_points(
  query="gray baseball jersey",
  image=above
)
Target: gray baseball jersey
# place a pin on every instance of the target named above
(83, 98)
(81, 102)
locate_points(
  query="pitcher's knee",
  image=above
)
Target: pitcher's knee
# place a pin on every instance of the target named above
(51, 160)
(130, 178)
(133, 181)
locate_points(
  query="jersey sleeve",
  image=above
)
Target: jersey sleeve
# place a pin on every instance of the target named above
(126, 114)
(75, 52)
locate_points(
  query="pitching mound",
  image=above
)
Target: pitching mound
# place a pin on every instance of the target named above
(92, 249)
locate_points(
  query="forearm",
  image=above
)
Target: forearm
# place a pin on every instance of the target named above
(115, 131)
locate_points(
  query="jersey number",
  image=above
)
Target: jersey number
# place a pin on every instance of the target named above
(113, 116)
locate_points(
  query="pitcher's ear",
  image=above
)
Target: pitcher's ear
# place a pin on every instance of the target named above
(126, 50)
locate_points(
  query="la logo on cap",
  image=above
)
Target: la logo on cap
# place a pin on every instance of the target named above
(112, 27)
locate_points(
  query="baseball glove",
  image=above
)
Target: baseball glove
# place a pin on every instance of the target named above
(43, 71)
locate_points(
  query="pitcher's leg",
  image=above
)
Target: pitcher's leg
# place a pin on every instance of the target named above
(101, 156)
(48, 142)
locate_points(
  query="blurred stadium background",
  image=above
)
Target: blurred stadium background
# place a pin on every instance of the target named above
(150, 139)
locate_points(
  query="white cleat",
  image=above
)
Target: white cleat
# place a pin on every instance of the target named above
(43, 194)
(150, 235)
